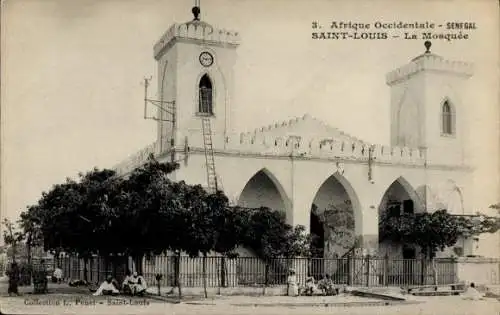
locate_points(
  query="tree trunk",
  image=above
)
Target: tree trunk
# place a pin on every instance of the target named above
(204, 262)
(223, 272)
(178, 273)
(28, 248)
(434, 271)
(423, 270)
(116, 260)
(106, 267)
(138, 258)
(14, 251)
(91, 267)
(266, 279)
(85, 270)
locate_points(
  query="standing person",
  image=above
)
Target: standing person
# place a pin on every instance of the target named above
(293, 287)
(14, 277)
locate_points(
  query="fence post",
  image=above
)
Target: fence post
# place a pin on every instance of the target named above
(368, 270)
(434, 272)
(223, 272)
(423, 270)
(386, 270)
(266, 278)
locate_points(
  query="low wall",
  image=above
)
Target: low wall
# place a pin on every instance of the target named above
(478, 270)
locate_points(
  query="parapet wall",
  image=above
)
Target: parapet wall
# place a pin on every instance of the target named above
(196, 31)
(429, 62)
(261, 142)
(323, 148)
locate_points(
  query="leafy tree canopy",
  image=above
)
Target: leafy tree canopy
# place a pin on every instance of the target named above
(434, 231)
(147, 213)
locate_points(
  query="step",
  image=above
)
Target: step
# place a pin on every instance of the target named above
(377, 294)
(437, 293)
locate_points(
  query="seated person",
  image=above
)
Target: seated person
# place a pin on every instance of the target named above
(472, 293)
(327, 286)
(134, 285)
(57, 275)
(126, 288)
(310, 286)
(108, 287)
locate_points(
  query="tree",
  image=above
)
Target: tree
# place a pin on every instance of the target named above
(200, 230)
(231, 226)
(12, 236)
(495, 206)
(429, 231)
(73, 217)
(146, 213)
(146, 202)
(477, 224)
(32, 230)
(270, 237)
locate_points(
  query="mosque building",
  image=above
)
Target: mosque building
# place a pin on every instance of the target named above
(314, 172)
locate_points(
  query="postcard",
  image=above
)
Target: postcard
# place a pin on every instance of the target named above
(250, 156)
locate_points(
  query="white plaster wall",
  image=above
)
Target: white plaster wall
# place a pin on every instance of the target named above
(299, 182)
(407, 113)
(444, 149)
(188, 72)
(167, 90)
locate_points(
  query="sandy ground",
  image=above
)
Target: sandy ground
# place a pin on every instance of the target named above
(70, 304)
(66, 300)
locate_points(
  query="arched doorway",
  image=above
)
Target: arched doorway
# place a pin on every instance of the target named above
(263, 190)
(399, 198)
(333, 220)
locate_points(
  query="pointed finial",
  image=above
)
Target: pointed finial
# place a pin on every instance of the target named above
(196, 13)
(427, 45)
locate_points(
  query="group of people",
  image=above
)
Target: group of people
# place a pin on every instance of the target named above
(324, 286)
(133, 284)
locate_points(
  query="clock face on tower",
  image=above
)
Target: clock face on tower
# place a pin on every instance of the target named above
(206, 59)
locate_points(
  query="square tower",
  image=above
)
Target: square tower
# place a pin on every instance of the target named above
(195, 70)
(427, 109)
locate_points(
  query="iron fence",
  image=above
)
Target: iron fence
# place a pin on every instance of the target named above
(94, 269)
(252, 271)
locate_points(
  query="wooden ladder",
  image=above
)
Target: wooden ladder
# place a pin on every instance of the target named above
(209, 155)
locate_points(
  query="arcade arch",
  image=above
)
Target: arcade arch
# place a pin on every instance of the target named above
(335, 212)
(399, 198)
(264, 190)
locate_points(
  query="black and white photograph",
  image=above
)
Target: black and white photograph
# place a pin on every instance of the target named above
(244, 157)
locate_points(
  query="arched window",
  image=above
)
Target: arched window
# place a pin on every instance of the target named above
(447, 116)
(205, 105)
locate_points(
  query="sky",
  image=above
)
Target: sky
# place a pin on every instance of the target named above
(71, 73)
